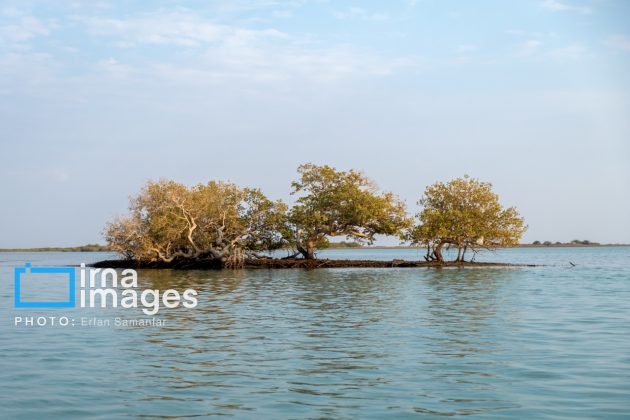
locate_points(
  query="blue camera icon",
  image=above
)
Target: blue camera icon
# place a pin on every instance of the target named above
(17, 283)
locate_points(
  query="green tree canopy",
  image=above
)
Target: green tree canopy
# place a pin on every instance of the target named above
(464, 213)
(218, 221)
(341, 203)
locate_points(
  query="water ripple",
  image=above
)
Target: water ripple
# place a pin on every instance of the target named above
(341, 343)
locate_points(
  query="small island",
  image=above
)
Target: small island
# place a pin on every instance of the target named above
(223, 225)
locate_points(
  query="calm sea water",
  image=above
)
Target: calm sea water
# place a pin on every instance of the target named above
(542, 342)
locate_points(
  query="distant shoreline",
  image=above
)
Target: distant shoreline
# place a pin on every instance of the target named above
(82, 248)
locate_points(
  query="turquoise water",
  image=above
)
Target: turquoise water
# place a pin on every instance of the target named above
(541, 342)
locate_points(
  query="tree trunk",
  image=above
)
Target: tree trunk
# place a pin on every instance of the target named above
(438, 252)
(308, 252)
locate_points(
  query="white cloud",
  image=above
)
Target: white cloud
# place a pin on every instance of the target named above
(571, 52)
(232, 53)
(528, 48)
(535, 49)
(238, 6)
(466, 48)
(58, 174)
(529, 34)
(619, 42)
(221, 58)
(182, 29)
(288, 65)
(559, 6)
(115, 69)
(24, 28)
(27, 72)
(359, 14)
(282, 14)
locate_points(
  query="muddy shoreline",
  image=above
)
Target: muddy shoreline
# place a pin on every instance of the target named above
(284, 263)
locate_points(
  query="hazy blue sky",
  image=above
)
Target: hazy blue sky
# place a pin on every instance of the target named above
(96, 97)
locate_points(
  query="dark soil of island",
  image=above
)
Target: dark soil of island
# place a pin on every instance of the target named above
(299, 263)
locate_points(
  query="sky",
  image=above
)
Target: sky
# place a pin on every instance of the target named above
(98, 97)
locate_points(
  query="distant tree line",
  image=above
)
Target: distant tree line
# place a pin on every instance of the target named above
(225, 223)
(81, 248)
(573, 242)
(344, 244)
